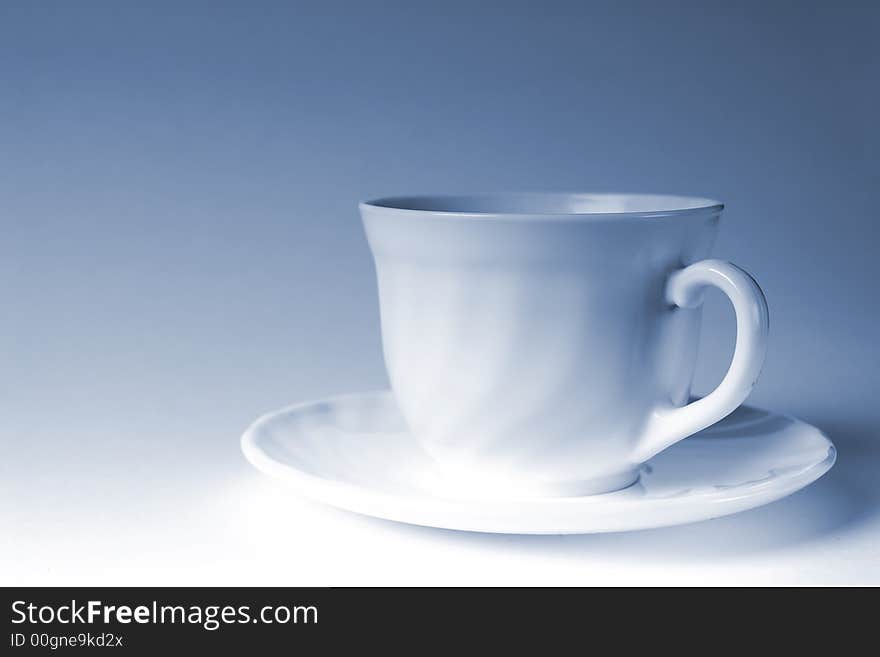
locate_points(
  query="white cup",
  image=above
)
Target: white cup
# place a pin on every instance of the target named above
(544, 344)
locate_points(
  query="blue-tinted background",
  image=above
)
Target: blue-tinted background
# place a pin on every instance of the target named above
(181, 249)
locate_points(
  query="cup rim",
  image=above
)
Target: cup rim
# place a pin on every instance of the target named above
(569, 205)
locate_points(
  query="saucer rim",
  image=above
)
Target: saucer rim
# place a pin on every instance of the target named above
(371, 502)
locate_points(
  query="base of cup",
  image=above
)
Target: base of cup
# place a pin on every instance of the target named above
(459, 484)
(580, 488)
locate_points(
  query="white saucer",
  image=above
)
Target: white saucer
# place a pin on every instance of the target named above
(354, 452)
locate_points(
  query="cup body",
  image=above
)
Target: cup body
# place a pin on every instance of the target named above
(528, 338)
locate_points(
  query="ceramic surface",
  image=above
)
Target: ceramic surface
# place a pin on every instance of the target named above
(545, 343)
(354, 452)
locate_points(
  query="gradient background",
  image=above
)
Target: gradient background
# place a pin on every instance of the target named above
(181, 252)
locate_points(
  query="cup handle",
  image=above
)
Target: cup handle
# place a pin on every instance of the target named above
(668, 424)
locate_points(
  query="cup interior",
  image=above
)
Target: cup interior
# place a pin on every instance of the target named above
(548, 204)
